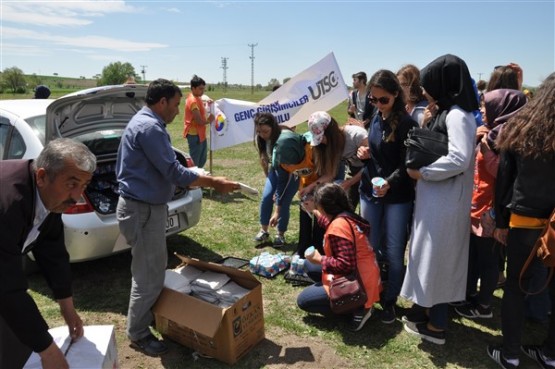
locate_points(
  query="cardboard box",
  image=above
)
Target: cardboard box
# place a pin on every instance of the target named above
(225, 334)
(95, 350)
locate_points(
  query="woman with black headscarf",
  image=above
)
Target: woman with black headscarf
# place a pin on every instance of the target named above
(438, 250)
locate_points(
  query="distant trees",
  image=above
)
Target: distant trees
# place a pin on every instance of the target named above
(13, 79)
(273, 82)
(116, 74)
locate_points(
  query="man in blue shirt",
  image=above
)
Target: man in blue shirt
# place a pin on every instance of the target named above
(148, 171)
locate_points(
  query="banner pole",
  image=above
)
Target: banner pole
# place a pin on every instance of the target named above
(210, 153)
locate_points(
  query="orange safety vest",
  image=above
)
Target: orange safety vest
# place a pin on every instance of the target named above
(304, 169)
(367, 265)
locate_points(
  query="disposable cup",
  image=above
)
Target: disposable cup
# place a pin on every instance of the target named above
(377, 182)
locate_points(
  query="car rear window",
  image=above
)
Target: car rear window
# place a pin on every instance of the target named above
(101, 143)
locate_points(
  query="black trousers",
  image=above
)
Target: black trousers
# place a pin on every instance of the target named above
(519, 245)
(13, 354)
(310, 234)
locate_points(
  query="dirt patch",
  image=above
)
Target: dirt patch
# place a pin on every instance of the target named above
(278, 350)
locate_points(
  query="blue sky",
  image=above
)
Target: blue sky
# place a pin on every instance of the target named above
(176, 39)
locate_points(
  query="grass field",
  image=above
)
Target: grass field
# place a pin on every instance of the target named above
(227, 226)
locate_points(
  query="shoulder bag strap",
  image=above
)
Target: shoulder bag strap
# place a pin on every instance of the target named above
(532, 255)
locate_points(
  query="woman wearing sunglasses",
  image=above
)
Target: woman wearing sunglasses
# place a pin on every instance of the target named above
(438, 250)
(388, 208)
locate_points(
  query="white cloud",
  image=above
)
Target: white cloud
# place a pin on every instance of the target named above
(23, 50)
(60, 12)
(88, 42)
(172, 10)
(109, 58)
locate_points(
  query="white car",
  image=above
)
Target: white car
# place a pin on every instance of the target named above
(96, 117)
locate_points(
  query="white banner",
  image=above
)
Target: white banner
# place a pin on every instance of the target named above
(320, 87)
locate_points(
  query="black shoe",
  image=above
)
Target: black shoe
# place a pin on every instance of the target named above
(535, 353)
(150, 345)
(388, 314)
(421, 330)
(415, 315)
(497, 356)
(470, 299)
(472, 311)
(359, 319)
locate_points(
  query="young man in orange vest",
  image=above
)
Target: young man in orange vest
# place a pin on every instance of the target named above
(196, 121)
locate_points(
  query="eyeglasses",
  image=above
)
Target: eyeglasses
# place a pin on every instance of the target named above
(384, 100)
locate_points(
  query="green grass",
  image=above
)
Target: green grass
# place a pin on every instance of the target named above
(227, 226)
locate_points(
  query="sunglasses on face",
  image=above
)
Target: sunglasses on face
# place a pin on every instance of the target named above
(382, 100)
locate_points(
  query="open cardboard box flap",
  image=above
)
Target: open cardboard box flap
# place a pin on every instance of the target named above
(244, 279)
(195, 313)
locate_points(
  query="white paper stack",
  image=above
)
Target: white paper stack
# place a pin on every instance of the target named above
(95, 350)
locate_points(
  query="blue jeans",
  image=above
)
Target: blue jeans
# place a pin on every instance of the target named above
(198, 150)
(314, 271)
(314, 299)
(394, 220)
(276, 176)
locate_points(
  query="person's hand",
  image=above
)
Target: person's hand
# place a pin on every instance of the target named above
(223, 185)
(500, 235)
(426, 117)
(306, 190)
(414, 173)
(355, 122)
(315, 258)
(308, 203)
(210, 118)
(72, 319)
(53, 358)
(484, 146)
(351, 109)
(363, 152)
(382, 190)
(274, 220)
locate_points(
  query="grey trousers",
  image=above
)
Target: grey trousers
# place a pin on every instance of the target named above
(144, 227)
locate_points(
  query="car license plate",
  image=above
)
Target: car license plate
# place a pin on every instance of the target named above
(172, 222)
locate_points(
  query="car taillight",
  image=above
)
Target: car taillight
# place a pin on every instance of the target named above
(82, 206)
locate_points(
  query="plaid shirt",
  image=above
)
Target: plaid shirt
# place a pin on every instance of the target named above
(343, 261)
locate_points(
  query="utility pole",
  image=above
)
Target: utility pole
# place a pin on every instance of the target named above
(143, 71)
(252, 46)
(480, 76)
(224, 67)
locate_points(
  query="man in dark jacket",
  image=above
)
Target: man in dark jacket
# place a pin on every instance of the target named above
(360, 108)
(34, 195)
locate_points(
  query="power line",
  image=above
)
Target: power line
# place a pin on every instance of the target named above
(252, 46)
(225, 67)
(143, 72)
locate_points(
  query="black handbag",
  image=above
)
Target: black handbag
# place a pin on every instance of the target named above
(426, 145)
